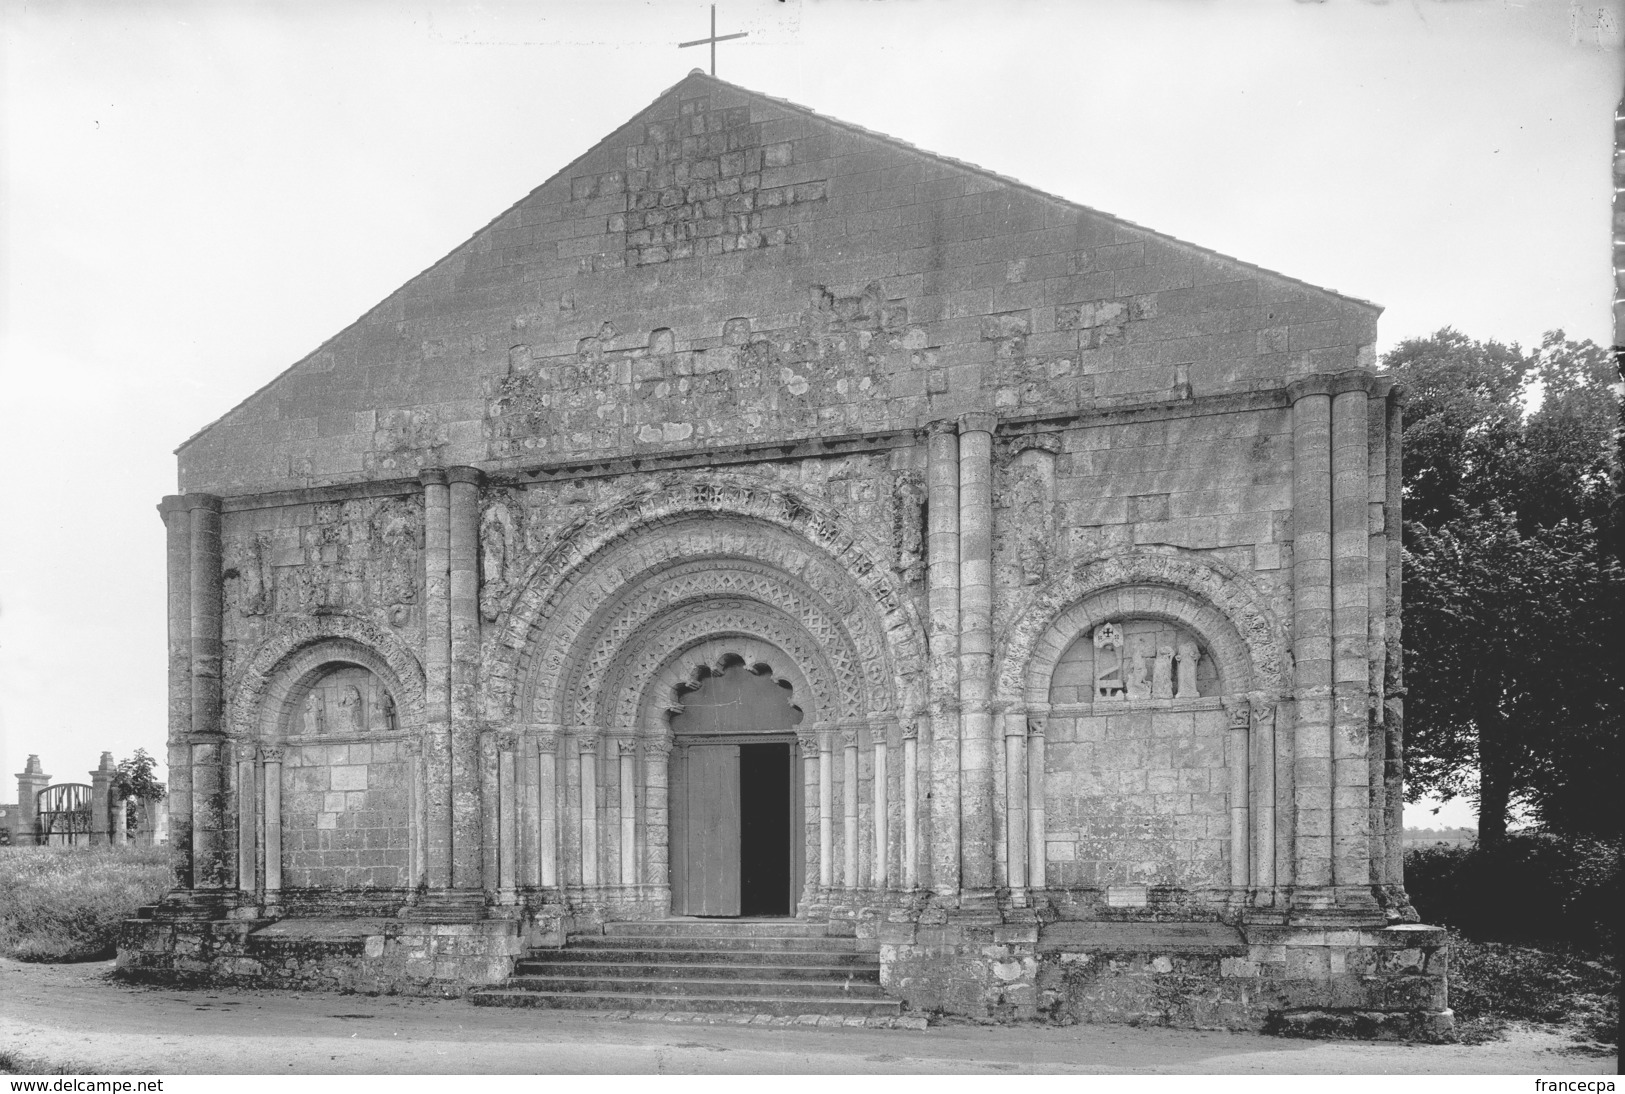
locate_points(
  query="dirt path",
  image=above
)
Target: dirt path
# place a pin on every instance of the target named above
(72, 1016)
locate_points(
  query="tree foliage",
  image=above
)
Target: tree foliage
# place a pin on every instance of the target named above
(136, 781)
(1511, 583)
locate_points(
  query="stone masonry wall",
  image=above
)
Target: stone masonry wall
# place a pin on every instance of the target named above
(726, 268)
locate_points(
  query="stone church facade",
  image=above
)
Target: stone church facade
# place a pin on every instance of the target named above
(766, 517)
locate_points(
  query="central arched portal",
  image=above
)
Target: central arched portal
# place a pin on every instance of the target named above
(734, 797)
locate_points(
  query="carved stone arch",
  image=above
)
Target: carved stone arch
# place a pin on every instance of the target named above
(734, 595)
(747, 626)
(1222, 608)
(273, 672)
(858, 567)
(685, 667)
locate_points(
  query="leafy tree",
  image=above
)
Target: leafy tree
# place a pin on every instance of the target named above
(136, 781)
(1511, 586)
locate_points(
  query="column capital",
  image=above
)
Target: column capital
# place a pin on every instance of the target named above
(657, 747)
(172, 503)
(271, 755)
(942, 427)
(808, 738)
(1037, 724)
(849, 736)
(432, 476)
(911, 727)
(978, 421)
(1353, 380)
(471, 476)
(202, 501)
(1240, 712)
(878, 735)
(1305, 386)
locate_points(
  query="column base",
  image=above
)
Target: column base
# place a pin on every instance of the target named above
(446, 906)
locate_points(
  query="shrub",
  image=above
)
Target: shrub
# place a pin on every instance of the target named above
(1532, 888)
(1495, 982)
(66, 903)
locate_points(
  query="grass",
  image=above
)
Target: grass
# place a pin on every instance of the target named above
(66, 903)
(1495, 983)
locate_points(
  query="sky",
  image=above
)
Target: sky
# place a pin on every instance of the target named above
(194, 196)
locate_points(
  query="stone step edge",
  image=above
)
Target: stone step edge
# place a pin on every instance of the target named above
(837, 991)
(741, 1004)
(717, 1018)
(694, 971)
(800, 966)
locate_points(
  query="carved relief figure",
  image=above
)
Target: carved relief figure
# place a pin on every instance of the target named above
(314, 714)
(1032, 503)
(349, 704)
(908, 533)
(1162, 682)
(1188, 653)
(254, 584)
(497, 542)
(392, 720)
(1109, 662)
(395, 526)
(1140, 649)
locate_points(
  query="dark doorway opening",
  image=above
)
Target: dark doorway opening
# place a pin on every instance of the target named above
(764, 829)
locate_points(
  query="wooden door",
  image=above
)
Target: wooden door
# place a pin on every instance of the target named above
(706, 832)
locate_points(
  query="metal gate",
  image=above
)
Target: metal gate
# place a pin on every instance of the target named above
(62, 814)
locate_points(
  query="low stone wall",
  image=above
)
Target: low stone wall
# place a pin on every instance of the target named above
(374, 955)
(1368, 982)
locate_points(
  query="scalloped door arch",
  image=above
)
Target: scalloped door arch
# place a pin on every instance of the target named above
(1222, 608)
(276, 668)
(687, 666)
(816, 539)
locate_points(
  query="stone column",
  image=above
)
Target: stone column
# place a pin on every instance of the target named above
(881, 873)
(30, 781)
(416, 799)
(587, 745)
(1312, 642)
(178, 555)
(437, 678)
(547, 809)
(101, 780)
(1377, 624)
(1393, 691)
(248, 798)
(1351, 642)
(812, 825)
(976, 774)
(1037, 816)
(507, 821)
(826, 809)
(1013, 724)
(849, 807)
(271, 798)
(911, 805)
(942, 573)
(210, 868)
(1237, 758)
(1261, 742)
(464, 615)
(627, 748)
(657, 819)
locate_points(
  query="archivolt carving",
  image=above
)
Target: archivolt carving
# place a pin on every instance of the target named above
(1206, 596)
(302, 647)
(770, 603)
(739, 627)
(771, 523)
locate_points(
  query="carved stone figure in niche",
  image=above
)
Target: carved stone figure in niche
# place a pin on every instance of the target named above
(1162, 673)
(314, 714)
(254, 583)
(1031, 480)
(395, 527)
(1109, 662)
(498, 539)
(1188, 654)
(1141, 648)
(392, 720)
(908, 533)
(349, 704)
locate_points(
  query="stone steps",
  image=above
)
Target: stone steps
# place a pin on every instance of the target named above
(763, 967)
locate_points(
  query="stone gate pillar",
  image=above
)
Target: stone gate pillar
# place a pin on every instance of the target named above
(101, 781)
(30, 781)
